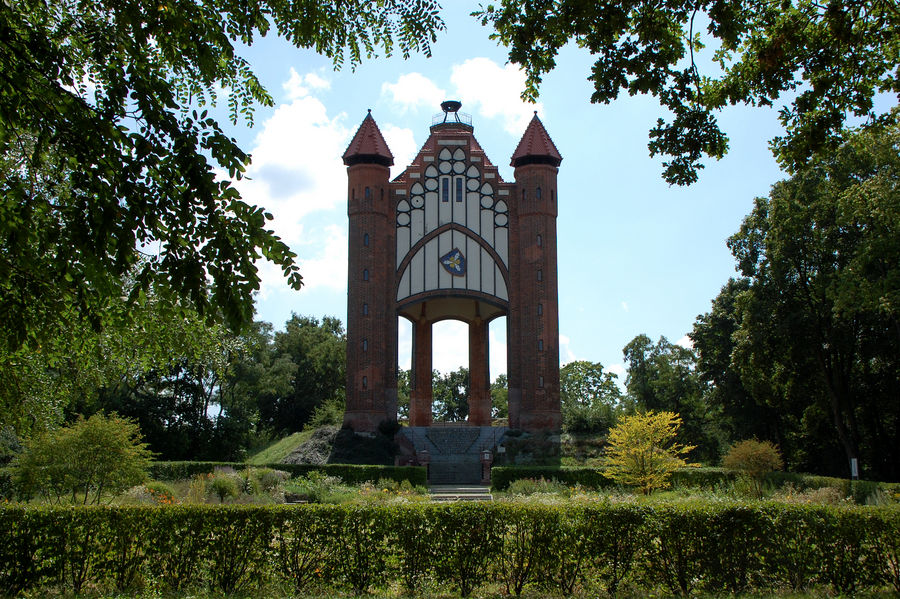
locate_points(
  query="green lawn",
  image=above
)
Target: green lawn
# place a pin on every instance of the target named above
(280, 449)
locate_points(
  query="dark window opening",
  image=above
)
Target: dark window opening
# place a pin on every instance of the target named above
(365, 309)
(365, 345)
(366, 240)
(366, 274)
(540, 275)
(445, 189)
(368, 193)
(540, 345)
(540, 381)
(459, 189)
(366, 382)
(537, 193)
(540, 309)
(540, 241)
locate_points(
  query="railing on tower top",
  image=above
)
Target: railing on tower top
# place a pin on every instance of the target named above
(452, 118)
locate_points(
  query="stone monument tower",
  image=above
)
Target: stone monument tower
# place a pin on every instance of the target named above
(449, 239)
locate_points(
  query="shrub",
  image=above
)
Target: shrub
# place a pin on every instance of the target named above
(642, 451)
(224, 485)
(160, 492)
(530, 486)
(103, 454)
(755, 459)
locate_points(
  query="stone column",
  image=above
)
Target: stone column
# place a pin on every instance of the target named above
(479, 375)
(421, 392)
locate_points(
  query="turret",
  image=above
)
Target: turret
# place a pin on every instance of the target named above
(371, 382)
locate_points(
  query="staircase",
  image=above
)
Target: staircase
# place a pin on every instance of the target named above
(454, 451)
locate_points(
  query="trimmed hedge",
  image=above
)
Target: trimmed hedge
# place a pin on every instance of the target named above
(696, 546)
(349, 473)
(592, 478)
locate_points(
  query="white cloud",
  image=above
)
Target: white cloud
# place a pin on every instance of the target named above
(625, 306)
(402, 144)
(494, 90)
(450, 345)
(414, 90)
(620, 372)
(328, 266)
(566, 354)
(297, 167)
(686, 342)
(299, 86)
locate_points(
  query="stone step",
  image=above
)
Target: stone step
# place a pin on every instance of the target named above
(460, 493)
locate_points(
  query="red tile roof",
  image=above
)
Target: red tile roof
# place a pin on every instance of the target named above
(535, 143)
(368, 142)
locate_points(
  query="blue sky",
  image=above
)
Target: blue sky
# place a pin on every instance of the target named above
(635, 255)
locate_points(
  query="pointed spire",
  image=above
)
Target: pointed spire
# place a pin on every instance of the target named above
(536, 147)
(368, 145)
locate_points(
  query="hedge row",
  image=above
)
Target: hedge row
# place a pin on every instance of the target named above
(502, 476)
(349, 473)
(713, 547)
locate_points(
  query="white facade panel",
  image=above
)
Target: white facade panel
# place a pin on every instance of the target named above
(487, 272)
(403, 244)
(432, 265)
(417, 273)
(473, 264)
(431, 212)
(487, 226)
(417, 226)
(403, 289)
(445, 244)
(473, 212)
(501, 244)
(459, 241)
(501, 286)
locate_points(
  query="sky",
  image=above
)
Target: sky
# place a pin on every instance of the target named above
(635, 254)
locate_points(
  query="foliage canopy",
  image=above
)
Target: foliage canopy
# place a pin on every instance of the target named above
(84, 461)
(831, 58)
(109, 163)
(642, 451)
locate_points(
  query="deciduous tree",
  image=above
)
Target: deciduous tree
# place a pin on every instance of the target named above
(642, 451)
(108, 157)
(829, 58)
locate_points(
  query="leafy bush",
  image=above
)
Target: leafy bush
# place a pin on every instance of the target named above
(697, 546)
(349, 473)
(84, 461)
(642, 450)
(530, 486)
(224, 485)
(755, 459)
(160, 492)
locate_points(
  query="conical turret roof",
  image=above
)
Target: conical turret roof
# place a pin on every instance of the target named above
(536, 147)
(368, 145)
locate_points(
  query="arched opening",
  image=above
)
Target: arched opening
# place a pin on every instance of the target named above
(450, 363)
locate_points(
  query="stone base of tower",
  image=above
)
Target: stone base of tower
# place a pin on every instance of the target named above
(540, 421)
(365, 421)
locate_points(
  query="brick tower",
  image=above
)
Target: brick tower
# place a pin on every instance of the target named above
(449, 239)
(534, 314)
(371, 392)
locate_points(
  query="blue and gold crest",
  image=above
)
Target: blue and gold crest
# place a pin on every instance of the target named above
(454, 262)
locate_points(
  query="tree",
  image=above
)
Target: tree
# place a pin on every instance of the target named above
(663, 377)
(590, 398)
(740, 412)
(315, 353)
(451, 395)
(835, 56)
(755, 459)
(107, 155)
(93, 457)
(500, 397)
(642, 451)
(819, 321)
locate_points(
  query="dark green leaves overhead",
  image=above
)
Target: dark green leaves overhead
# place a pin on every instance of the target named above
(107, 161)
(829, 58)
